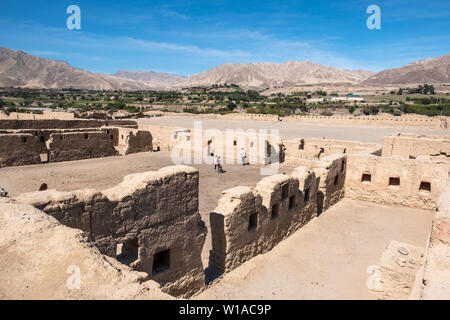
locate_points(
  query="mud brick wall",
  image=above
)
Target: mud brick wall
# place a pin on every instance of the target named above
(79, 145)
(150, 222)
(436, 277)
(20, 149)
(413, 146)
(395, 181)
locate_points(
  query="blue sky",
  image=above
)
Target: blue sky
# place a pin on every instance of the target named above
(187, 37)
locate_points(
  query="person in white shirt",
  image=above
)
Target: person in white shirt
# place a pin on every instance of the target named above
(219, 165)
(216, 162)
(243, 156)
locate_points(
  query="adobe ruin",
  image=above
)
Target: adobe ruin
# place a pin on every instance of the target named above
(149, 225)
(25, 142)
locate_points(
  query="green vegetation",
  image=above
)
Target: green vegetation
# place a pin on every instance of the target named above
(222, 99)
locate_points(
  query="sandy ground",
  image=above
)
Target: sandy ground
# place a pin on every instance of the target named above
(328, 258)
(103, 173)
(292, 130)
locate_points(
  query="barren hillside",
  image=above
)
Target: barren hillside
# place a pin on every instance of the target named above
(264, 75)
(436, 70)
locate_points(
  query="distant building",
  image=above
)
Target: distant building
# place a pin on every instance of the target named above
(314, 100)
(347, 99)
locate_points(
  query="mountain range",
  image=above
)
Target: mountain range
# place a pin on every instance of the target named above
(19, 69)
(435, 70)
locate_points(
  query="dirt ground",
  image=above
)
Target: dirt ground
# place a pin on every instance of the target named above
(329, 257)
(292, 130)
(103, 173)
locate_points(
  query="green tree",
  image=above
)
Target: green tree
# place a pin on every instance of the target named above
(352, 109)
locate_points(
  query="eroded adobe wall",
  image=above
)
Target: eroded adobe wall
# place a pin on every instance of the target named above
(395, 180)
(332, 172)
(133, 141)
(10, 124)
(149, 213)
(413, 146)
(163, 137)
(20, 149)
(32, 146)
(120, 123)
(313, 149)
(436, 277)
(49, 124)
(248, 222)
(79, 145)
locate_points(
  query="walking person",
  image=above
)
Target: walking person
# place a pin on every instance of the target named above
(243, 156)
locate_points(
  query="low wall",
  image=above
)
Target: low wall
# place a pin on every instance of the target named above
(248, 222)
(436, 278)
(79, 145)
(46, 115)
(249, 116)
(412, 146)
(150, 222)
(379, 120)
(395, 181)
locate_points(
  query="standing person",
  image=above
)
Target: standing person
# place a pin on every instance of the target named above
(219, 165)
(243, 156)
(216, 162)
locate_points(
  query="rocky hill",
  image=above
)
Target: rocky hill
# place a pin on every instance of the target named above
(435, 70)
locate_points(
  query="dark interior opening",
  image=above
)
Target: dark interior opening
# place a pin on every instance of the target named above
(129, 252)
(336, 180)
(291, 202)
(161, 262)
(253, 222)
(275, 209)
(86, 136)
(394, 181)
(366, 177)
(425, 186)
(306, 195)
